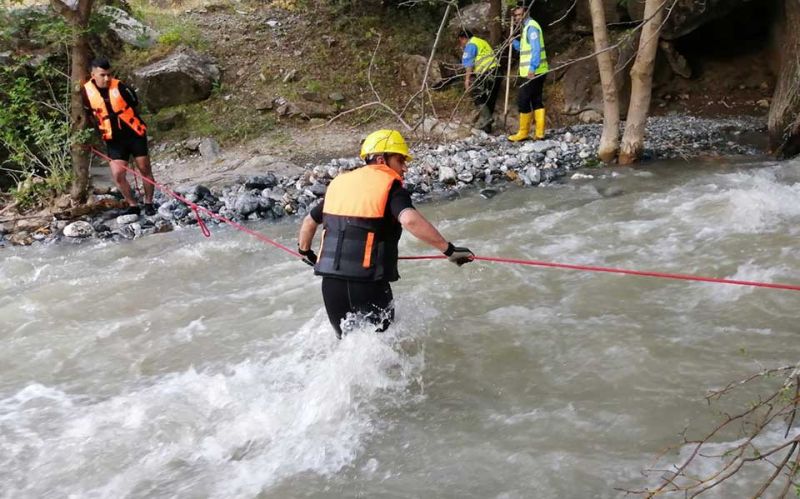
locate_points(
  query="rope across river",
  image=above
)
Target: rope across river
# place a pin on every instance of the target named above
(535, 263)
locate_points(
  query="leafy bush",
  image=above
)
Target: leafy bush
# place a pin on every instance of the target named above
(35, 129)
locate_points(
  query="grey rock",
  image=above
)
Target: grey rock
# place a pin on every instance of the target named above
(488, 193)
(290, 76)
(318, 189)
(127, 219)
(128, 29)
(534, 174)
(209, 148)
(466, 177)
(78, 229)
(265, 181)
(182, 77)
(245, 204)
(447, 174)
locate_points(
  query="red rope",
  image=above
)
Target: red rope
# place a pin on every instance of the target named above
(197, 208)
(536, 263)
(594, 268)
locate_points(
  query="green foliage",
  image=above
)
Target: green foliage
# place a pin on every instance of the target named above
(181, 33)
(35, 129)
(314, 86)
(592, 162)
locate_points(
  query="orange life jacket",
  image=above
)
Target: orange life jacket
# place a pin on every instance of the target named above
(123, 112)
(359, 242)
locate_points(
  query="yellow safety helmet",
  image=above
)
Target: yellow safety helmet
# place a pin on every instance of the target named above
(384, 142)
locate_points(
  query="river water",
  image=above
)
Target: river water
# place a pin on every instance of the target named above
(179, 366)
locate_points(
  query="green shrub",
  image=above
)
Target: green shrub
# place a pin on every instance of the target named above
(35, 130)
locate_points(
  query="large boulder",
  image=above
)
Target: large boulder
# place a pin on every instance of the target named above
(412, 70)
(128, 29)
(182, 77)
(784, 114)
(473, 17)
(688, 15)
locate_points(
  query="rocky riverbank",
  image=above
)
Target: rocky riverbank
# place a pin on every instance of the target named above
(485, 162)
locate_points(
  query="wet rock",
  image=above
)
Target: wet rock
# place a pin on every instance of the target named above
(165, 211)
(261, 181)
(447, 174)
(21, 238)
(246, 203)
(488, 193)
(78, 229)
(466, 177)
(318, 189)
(127, 219)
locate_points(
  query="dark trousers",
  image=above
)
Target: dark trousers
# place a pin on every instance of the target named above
(531, 94)
(484, 90)
(370, 301)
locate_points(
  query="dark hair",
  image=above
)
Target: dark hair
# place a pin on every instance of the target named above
(465, 33)
(100, 62)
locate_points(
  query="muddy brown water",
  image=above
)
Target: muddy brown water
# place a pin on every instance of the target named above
(179, 366)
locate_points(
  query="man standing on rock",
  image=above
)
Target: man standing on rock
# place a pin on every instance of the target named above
(363, 215)
(480, 79)
(113, 109)
(532, 69)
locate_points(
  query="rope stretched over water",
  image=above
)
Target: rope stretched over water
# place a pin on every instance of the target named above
(197, 209)
(587, 268)
(594, 268)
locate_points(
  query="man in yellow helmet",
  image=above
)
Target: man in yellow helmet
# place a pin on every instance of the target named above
(480, 79)
(363, 215)
(533, 67)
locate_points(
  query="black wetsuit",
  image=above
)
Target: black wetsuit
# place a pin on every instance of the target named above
(371, 300)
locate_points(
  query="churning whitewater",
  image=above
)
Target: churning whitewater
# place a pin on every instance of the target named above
(179, 366)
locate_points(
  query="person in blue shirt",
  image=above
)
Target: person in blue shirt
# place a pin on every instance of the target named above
(532, 70)
(480, 79)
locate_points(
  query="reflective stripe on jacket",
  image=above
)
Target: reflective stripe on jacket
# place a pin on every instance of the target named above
(485, 59)
(525, 50)
(359, 241)
(123, 112)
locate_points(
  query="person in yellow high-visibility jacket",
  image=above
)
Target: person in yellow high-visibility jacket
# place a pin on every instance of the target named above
(533, 68)
(480, 79)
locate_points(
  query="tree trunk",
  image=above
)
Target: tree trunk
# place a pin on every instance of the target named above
(642, 83)
(784, 114)
(80, 156)
(78, 19)
(609, 141)
(495, 24)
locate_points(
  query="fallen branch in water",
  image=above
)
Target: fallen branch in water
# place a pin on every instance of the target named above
(780, 404)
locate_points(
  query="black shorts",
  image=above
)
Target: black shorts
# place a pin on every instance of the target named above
(123, 149)
(370, 301)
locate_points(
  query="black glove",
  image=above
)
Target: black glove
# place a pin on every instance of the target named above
(458, 255)
(309, 256)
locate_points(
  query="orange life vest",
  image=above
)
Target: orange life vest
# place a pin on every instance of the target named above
(123, 112)
(359, 242)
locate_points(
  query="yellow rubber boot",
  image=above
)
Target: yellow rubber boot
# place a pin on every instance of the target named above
(524, 127)
(539, 118)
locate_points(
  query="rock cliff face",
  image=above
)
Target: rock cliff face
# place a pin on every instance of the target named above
(784, 114)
